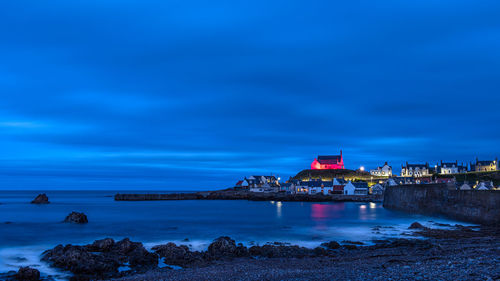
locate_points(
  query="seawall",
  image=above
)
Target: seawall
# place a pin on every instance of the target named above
(477, 206)
(245, 195)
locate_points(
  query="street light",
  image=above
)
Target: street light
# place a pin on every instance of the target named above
(361, 168)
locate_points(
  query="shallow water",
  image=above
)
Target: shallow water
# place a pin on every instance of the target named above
(31, 229)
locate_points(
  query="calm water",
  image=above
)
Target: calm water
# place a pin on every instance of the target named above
(35, 228)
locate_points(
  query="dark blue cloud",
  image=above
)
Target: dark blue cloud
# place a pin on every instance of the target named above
(194, 94)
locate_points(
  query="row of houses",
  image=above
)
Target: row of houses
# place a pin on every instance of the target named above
(442, 168)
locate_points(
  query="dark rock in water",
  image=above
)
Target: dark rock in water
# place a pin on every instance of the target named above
(353, 242)
(8, 222)
(416, 225)
(76, 217)
(185, 240)
(222, 247)
(101, 258)
(41, 199)
(103, 245)
(28, 274)
(177, 255)
(140, 257)
(331, 245)
(79, 260)
(350, 247)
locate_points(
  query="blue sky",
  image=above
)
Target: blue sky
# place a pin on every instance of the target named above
(197, 94)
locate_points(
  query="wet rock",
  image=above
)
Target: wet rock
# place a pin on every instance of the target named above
(222, 247)
(28, 274)
(103, 245)
(41, 199)
(79, 260)
(353, 242)
(177, 255)
(350, 247)
(416, 225)
(76, 217)
(101, 258)
(332, 245)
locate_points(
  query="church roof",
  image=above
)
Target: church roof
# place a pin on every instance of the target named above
(329, 159)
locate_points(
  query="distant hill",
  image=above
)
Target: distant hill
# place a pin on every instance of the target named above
(331, 174)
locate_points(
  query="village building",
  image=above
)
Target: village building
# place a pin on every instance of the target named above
(356, 188)
(378, 189)
(338, 186)
(450, 168)
(384, 171)
(334, 162)
(391, 182)
(361, 188)
(415, 170)
(484, 166)
(320, 187)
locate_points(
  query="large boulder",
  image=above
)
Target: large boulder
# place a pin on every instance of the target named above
(103, 245)
(222, 247)
(102, 258)
(177, 255)
(332, 245)
(41, 199)
(28, 274)
(76, 217)
(416, 225)
(79, 260)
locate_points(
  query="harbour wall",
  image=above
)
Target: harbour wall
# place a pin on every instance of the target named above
(477, 206)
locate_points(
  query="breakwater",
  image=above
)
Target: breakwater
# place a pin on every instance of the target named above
(251, 196)
(477, 206)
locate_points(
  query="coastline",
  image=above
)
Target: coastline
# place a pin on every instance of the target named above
(229, 194)
(462, 253)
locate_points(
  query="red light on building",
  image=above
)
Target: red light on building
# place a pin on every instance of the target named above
(333, 162)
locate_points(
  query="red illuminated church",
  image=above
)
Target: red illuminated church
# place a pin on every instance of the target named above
(328, 162)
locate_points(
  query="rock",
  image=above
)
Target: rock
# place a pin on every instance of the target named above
(280, 251)
(101, 259)
(79, 260)
(416, 225)
(177, 255)
(353, 242)
(332, 245)
(350, 247)
(76, 217)
(222, 247)
(103, 245)
(28, 274)
(41, 199)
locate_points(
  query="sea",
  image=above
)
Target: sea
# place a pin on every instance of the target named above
(27, 230)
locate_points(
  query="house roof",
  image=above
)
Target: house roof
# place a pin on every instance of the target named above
(360, 184)
(329, 159)
(239, 183)
(417, 165)
(485, 163)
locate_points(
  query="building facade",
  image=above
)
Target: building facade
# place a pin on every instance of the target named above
(451, 168)
(415, 170)
(323, 162)
(484, 166)
(384, 171)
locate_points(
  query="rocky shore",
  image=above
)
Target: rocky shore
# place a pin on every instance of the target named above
(458, 253)
(230, 194)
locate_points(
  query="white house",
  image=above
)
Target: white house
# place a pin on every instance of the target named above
(415, 170)
(451, 168)
(384, 171)
(349, 188)
(361, 188)
(390, 182)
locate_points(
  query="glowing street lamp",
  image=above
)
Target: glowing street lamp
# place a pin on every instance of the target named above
(361, 168)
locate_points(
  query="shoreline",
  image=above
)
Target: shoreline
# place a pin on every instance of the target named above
(246, 195)
(469, 252)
